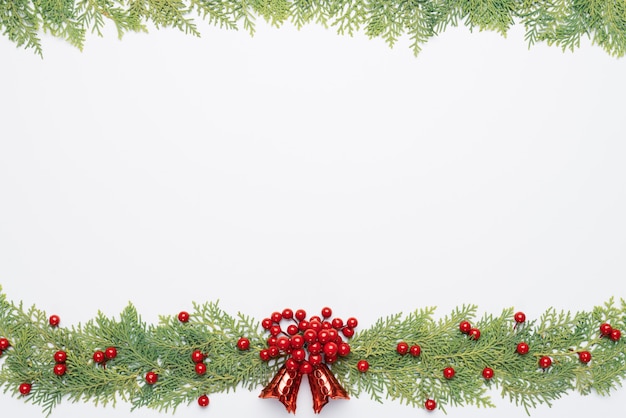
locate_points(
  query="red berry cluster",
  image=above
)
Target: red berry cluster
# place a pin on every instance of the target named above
(101, 357)
(606, 330)
(306, 342)
(60, 357)
(402, 348)
(198, 360)
(466, 328)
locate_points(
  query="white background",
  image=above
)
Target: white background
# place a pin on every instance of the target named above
(305, 169)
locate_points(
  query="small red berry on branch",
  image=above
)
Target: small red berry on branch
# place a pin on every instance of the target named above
(545, 362)
(362, 366)
(430, 405)
(200, 368)
(584, 357)
(4, 344)
(474, 334)
(615, 335)
(203, 401)
(402, 348)
(488, 373)
(98, 357)
(415, 350)
(522, 348)
(520, 317)
(151, 378)
(197, 356)
(54, 321)
(449, 372)
(59, 369)
(60, 356)
(183, 316)
(465, 327)
(25, 388)
(243, 344)
(110, 353)
(605, 329)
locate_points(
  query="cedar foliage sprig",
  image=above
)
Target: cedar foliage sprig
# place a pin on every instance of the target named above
(563, 23)
(165, 348)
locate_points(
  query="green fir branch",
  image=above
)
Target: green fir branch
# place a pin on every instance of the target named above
(165, 348)
(564, 23)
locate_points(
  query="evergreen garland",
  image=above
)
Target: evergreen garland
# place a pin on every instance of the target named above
(452, 366)
(557, 22)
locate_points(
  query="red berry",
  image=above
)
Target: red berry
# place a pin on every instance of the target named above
(283, 343)
(54, 321)
(465, 327)
(59, 369)
(316, 318)
(200, 368)
(243, 344)
(110, 353)
(297, 341)
(348, 331)
(264, 354)
(315, 359)
(448, 372)
(519, 317)
(415, 350)
(271, 341)
(584, 357)
(352, 322)
(4, 344)
(332, 334)
(323, 336)
(203, 401)
(275, 330)
(315, 326)
(362, 366)
(545, 362)
(197, 356)
(330, 359)
(310, 336)
(402, 348)
(287, 313)
(274, 351)
(331, 349)
(151, 378)
(292, 329)
(291, 364)
(298, 354)
(430, 405)
(276, 317)
(474, 333)
(327, 312)
(98, 357)
(60, 356)
(616, 335)
(315, 348)
(305, 367)
(522, 348)
(300, 314)
(183, 316)
(337, 323)
(487, 373)
(605, 329)
(326, 325)
(25, 388)
(266, 323)
(344, 349)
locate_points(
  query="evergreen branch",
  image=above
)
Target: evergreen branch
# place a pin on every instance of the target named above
(563, 23)
(166, 348)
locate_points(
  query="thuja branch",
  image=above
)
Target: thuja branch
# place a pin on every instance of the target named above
(564, 23)
(419, 359)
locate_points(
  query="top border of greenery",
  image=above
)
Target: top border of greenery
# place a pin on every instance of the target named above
(562, 23)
